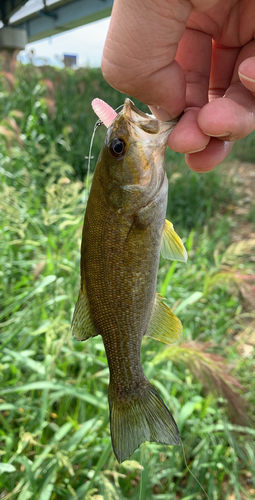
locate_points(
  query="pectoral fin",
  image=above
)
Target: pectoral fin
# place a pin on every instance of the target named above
(164, 325)
(171, 246)
(82, 325)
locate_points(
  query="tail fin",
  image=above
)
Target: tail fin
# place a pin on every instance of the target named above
(143, 419)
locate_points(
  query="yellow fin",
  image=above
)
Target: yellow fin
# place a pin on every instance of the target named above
(82, 325)
(171, 246)
(164, 325)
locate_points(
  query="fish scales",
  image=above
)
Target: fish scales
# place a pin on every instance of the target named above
(123, 228)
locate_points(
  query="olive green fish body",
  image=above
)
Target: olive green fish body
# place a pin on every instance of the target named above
(121, 241)
(120, 281)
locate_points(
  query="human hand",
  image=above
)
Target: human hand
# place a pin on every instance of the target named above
(197, 55)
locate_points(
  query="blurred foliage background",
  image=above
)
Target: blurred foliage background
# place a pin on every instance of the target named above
(54, 431)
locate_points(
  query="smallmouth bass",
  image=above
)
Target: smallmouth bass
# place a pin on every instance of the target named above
(124, 230)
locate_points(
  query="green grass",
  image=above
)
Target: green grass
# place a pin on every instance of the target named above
(54, 431)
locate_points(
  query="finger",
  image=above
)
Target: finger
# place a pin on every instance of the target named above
(246, 73)
(187, 137)
(244, 70)
(214, 153)
(194, 56)
(222, 68)
(232, 117)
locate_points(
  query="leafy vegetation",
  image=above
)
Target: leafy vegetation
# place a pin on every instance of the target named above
(54, 432)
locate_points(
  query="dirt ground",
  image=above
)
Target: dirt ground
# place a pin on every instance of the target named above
(241, 176)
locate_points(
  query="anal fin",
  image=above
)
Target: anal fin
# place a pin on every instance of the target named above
(83, 326)
(164, 325)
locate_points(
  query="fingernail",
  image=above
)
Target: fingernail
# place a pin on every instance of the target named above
(225, 134)
(160, 114)
(247, 78)
(195, 151)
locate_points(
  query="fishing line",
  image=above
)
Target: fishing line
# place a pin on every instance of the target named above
(97, 124)
(142, 457)
(121, 106)
(198, 482)
(97, 105)
(142, 469)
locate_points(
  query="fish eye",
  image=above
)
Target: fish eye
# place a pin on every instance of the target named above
(117, 147)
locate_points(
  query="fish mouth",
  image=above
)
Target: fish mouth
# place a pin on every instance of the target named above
(147, 123)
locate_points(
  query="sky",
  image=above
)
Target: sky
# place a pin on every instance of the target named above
(86, 42)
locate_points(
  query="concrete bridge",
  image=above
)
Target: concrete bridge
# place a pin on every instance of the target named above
(26, 21)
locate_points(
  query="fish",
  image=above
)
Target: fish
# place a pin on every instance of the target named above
(123, 233)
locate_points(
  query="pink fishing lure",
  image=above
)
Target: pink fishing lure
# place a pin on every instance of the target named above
(104, 112)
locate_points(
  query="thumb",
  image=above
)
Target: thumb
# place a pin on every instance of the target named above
(140, 48)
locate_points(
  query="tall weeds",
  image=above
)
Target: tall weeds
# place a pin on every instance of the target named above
(54, 431)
